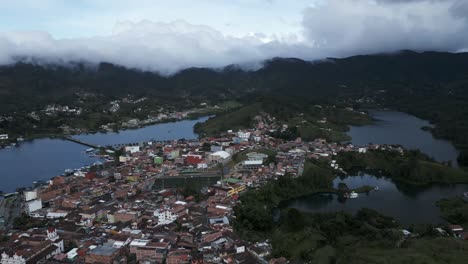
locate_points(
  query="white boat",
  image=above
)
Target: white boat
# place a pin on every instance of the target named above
(465, 194)
(376, 188)
(89, 150)
(353, 195)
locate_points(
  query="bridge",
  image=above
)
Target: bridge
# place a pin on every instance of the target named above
(81, 142)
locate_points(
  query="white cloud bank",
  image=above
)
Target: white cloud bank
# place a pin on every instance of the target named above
(333, 28)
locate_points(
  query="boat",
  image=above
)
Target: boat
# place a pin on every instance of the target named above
(89, 150)
(351, 195)
(376, 188)
(465, 194)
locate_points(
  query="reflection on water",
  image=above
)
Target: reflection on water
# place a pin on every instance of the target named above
(406, 203)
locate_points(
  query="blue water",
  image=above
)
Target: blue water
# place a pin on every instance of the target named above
(164, 131)
(42, 159)
(403, 129)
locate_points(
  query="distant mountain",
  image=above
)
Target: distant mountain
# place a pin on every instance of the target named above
(25, 85)
(428, 84)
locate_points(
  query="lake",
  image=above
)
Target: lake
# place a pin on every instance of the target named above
(163, 131)
(42, 159)
(403, 129)
(404, 202)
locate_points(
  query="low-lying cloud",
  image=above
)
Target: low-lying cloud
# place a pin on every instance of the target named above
(334, 28)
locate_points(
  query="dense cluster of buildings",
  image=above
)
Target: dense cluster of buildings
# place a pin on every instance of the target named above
(119, 212)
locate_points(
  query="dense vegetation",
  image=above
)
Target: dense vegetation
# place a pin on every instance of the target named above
(237, 119)
(339, 237)
(454, 210)
(431, 85)
(411, 167)
(254, 216)
(305, 120)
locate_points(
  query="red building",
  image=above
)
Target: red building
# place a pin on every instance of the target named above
(194, 159)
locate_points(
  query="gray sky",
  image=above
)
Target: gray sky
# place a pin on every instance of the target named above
(170, 35)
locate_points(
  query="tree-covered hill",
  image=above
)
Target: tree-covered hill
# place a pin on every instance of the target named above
(431, 85)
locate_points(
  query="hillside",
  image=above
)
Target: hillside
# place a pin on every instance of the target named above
(431, 85)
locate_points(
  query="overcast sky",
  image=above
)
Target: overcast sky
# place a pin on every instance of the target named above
(170, 35)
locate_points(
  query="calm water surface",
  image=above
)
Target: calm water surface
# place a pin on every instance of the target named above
(404, 202)
(40, 159)
(164, 131)
(43, 159)
(400, 128)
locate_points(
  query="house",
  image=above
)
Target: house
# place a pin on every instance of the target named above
(33, 205)
(220, 190)
(126, 216)
(214, 148)
(152, 252)
(236, 189)
(244, 136)
(104, 255)
(252, 164)
(256, 156)
(193, 159)
(30, 195)
(178, 256)
(53, 191)
(165, 217)
(219, 157)
(456, 228)
(56, 215)
(132, 149)
(34, 249)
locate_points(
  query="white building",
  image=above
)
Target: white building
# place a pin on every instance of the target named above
(30, 195)
(3, 136)
(256, 156)
(33, 205)
(54, 215)
(54, 237)
(15, 259)
(252, 164)
(132, 149)
(244, 136)
(165, 217)
(219, 157)
(124, 159)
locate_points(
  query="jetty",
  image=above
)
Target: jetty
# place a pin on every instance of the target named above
(81, 142)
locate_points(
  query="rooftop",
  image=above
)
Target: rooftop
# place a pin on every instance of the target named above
(104, 250)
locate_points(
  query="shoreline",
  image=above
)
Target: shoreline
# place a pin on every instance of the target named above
(91, 132)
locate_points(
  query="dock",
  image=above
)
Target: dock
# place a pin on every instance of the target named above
(81, 142)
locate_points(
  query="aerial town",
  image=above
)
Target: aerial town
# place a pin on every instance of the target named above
(160, 202)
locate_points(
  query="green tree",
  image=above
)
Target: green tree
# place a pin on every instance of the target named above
(294, 220)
